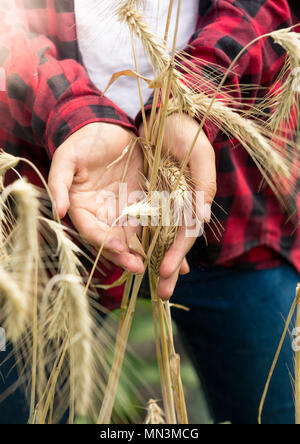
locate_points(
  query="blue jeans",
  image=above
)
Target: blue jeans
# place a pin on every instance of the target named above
(14, 409)
(232, 333)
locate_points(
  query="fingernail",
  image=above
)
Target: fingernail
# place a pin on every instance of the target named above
(207, 213)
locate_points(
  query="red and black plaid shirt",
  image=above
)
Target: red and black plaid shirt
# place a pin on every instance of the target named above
(48, 96)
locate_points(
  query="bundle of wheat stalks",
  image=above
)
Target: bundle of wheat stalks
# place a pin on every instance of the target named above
(44, 301)
(50, 314)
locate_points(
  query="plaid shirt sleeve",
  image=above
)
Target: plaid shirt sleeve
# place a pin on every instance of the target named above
(45, 98)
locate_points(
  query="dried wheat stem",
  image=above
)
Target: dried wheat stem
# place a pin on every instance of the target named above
(139, 85)
(166, 362)
(297, 363)
(35, 338)
(122, 339)
(163, 352)
(168, 174)
(180, 404)
(124, 303)
(179, 397)
(155, 312)
(51, 386)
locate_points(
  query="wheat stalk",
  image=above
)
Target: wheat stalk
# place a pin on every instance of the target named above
(297, 362)
(64, 296)
(121, 344)
(268, 160)
(164, 64)
(168, 180)
(70, 312)
(24, 257)
(60, 334)
(276, 357)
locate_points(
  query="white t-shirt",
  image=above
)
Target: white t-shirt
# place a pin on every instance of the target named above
(105, 44)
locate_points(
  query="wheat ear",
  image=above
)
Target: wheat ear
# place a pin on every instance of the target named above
(71, 309)
(171, 181)
(24, 254)
(266, 153)
(159, 56)
(284, 102)
(14, 309)
(155, 415)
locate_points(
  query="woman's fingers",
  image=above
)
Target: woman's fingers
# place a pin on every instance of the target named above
(97, 233)
(60, 181)
(174, 263)
(176, 254)
(166, 287)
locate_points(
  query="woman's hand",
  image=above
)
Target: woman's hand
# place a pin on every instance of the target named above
(79, 175)
(79, 180)
(180, 132)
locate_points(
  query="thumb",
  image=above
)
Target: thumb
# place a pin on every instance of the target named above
(60, 181)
